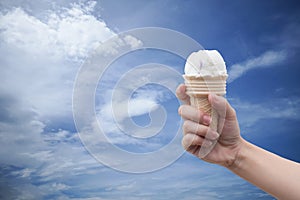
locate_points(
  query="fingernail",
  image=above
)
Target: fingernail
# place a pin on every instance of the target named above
(211, 97)
(206, 119)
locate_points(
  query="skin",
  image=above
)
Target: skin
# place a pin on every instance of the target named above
(273, 174)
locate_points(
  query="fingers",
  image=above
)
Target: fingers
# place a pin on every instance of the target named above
(190, 127)
(190, 142)
(190, 113)
(221, 105)
(180, 93)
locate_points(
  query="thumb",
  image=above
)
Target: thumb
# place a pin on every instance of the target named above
(221, 105)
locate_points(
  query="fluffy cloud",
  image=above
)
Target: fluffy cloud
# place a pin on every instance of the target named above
(71, 33)
(39, 61)
(41, 56)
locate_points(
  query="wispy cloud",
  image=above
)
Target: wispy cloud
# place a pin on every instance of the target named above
(265, 60)
(116, 115)
(135, 95)
(277, 108)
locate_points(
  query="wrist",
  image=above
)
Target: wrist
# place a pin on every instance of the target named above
(240, 155)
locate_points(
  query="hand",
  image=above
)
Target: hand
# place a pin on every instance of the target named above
(196, 128)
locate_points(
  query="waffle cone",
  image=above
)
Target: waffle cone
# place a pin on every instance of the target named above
(201, 103)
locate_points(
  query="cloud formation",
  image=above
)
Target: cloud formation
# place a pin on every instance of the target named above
(69, 33)
(39, 61)
(276, 108)
(265, 60)
(40, 57)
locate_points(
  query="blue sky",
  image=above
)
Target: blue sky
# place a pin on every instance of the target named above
(43, 45)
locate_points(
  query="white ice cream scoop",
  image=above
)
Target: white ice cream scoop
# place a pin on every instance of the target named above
(205, 63)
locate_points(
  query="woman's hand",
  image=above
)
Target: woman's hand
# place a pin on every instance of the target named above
(196, 130)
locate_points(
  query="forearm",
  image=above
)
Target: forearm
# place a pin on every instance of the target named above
(275, 175)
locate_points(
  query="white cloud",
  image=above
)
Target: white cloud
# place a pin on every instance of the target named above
(116, 116)
(125, 109)
(37, 152)
(39, 61)
(40, 58)
(134, 95)
(140, 106)
(118, 43)
(133, 91)
(23, 173)
(132, 41)
(60, 186)
(267, 59)
(132, 107)
(20, 132)
(71, 33)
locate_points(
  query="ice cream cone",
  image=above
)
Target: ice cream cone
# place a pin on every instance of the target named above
(198, 88)
(205, 73)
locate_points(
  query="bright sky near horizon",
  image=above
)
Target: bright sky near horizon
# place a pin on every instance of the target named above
(44, 43)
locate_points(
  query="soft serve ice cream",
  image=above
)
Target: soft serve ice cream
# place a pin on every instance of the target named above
(205, 63)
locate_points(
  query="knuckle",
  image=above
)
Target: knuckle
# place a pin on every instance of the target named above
(233, 112)
(182, 110)
(185, 143)
(200, 115)
(198, 129)
(186, 126)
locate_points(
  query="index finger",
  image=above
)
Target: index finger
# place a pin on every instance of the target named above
(181, 94)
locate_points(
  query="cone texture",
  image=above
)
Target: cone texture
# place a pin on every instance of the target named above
(198, 89)
(202, 103)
